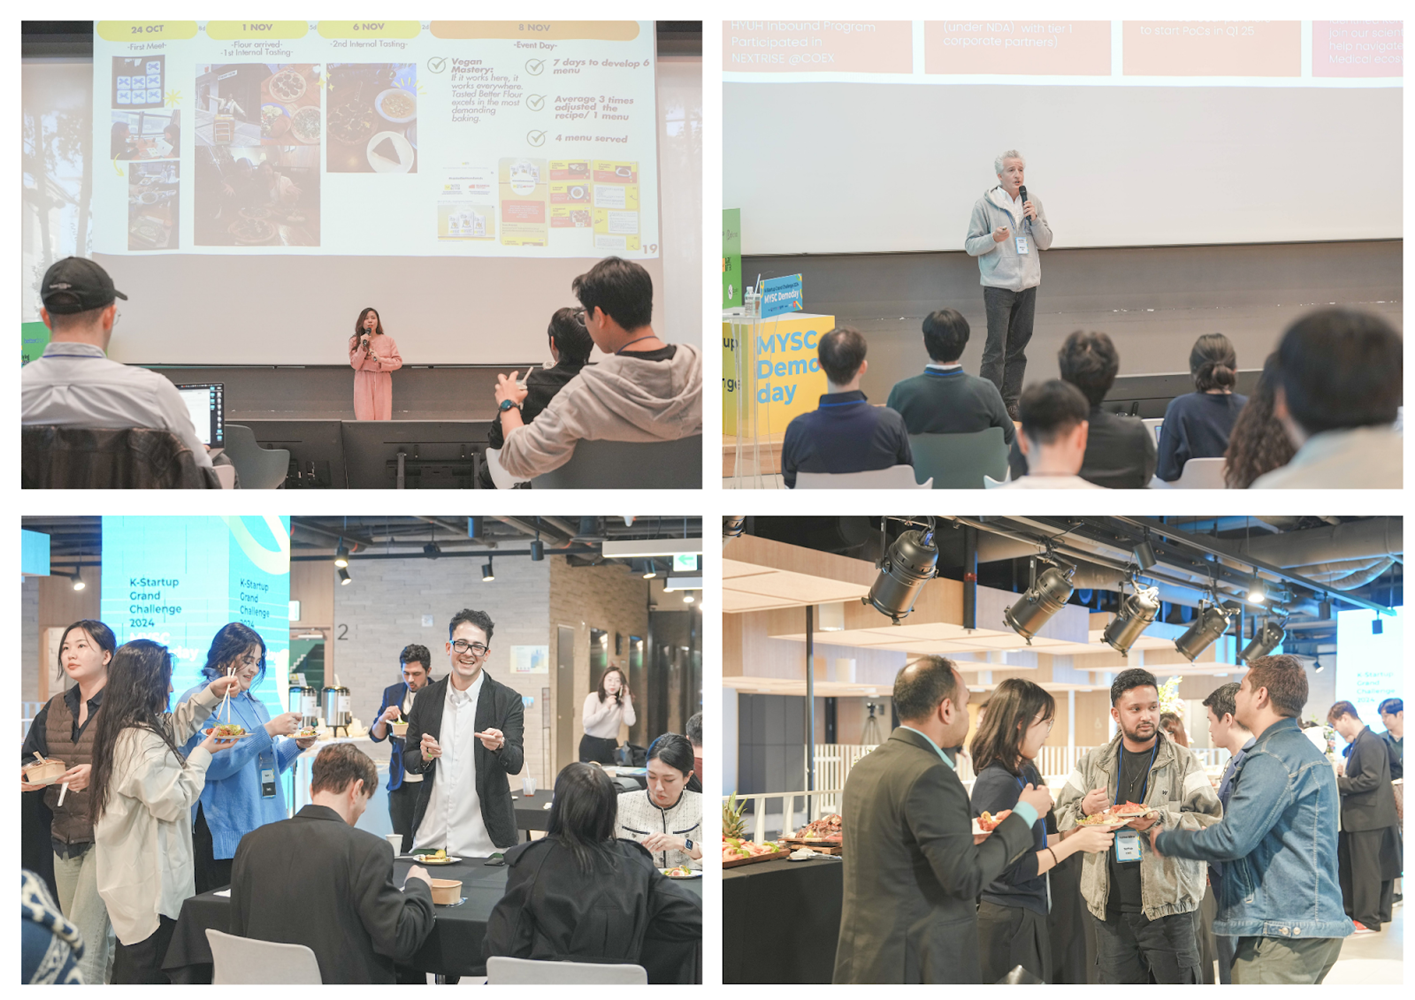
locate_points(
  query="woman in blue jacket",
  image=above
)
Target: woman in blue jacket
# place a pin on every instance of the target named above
(243, 788)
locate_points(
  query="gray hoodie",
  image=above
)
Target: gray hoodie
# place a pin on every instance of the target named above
(622, 398)
(1000, 264)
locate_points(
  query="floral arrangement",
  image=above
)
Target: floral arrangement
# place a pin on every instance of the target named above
(1169, 697)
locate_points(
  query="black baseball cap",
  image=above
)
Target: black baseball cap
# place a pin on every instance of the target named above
(76, 284)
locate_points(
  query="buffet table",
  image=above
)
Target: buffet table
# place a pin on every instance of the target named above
(781, 921)
(453, 949)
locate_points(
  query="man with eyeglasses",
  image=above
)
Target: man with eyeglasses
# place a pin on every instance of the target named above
(75, 384)
(464, 737)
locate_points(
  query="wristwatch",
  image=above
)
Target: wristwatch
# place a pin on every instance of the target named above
(507, 404)
(687, 845)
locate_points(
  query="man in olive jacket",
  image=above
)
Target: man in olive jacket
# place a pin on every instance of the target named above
(913, 874)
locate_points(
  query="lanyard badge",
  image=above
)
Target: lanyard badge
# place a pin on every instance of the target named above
(267, 776)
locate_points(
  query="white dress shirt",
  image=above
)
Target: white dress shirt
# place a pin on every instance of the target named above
(76, 385)
(453, 818)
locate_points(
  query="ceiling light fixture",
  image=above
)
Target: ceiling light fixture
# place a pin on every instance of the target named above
(1211, 622)
(341, 555)
(1137, 611)
(1042, 600)
(905, 568)
(1264, 641)
(486, 572)
(344, 578)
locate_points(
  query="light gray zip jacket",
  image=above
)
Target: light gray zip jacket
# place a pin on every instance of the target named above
(1000, 263)
(1180, 790)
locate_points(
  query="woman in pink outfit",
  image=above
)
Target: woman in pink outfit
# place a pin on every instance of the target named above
(374, 356)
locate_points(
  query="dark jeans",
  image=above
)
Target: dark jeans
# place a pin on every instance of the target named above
(401, 803)
(211, 872)
(1009, 330)
(1133, 950)
(1009, 936)
(142, 962)
(1367, 869)
(594, 748)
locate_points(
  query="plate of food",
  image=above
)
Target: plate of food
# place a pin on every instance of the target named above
(252, 232)
(390, 153)
(287, 85)
(227, 731)
(987, 822)
(398, 106)
(352, 123)
(437, 857)
(681, 871)
(306, 733)
(304, 124)
(274, 120)
(1118, 815)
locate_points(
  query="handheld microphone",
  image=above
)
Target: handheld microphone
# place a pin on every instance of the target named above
(1022, 190)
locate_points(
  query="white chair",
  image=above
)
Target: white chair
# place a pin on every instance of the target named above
(226, 474)
(246, 961)
(898, 477)
(503, 479)
(524, 972)
(1201, 474)
(990, 483)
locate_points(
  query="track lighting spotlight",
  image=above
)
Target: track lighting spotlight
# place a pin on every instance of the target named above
(906, 566)
(431, 550)
(1137, 611)
(1042, 600)
(1211, 622)
(1257, 591)
(341, 555)
(486, 572)
(344, 578)
(1145, 553)
(1264, 642)
(537, 549)
(78, 581)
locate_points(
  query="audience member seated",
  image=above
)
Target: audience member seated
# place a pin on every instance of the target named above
(1053, 437)
(1340, 383)
(945, 399)
(570, 347)
(1258, 443)
(580, 895)
(1120, 453)
(665, 817)
(362, 923)
(845, 433)
(74, 384)
(1198, 424)
(643, 390)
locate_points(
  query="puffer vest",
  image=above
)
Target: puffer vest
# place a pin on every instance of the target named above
(71, 824)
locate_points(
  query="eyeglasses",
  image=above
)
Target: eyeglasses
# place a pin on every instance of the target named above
(462, 647)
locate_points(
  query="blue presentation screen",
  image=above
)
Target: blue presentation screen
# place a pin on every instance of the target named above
(1368, 666)
(177, 580)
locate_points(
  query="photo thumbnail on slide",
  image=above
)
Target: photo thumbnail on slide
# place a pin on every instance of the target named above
(138, 81)
(373, 118)
(257, 196)
(251, 104)
(153, 206)
(145, 135)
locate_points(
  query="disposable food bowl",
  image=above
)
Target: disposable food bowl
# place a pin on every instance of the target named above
(446, 891)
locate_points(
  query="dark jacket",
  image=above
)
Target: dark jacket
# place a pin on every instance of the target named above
(498, 707)
(541, 386)
(317, 881)
(554, 912)
(393, 694)
(950, 402)
(914, 875)
(1196, 425)
(994, 790)
(1397, 755)
(85, 458)
(846, 434)
(1367, 797)
(1120, 453)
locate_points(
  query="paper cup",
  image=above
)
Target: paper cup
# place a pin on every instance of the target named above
(528, 785)
(396, 839)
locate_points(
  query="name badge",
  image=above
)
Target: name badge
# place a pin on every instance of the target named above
(1127, 846)
(267, 777)
(1022, 245)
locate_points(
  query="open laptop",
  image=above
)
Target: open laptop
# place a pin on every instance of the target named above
(206, 403)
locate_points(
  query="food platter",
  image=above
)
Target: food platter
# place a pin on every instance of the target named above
(433, 858)
(305, 124)
(681, 872)
(252, 231)
(287, 85)
(352, 123)
(1118, 815)
(211, 730)
(761, 852)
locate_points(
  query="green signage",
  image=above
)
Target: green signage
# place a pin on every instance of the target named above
(34, 338)
(731, 257)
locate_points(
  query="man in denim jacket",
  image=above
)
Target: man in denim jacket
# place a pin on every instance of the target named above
(1279, 894)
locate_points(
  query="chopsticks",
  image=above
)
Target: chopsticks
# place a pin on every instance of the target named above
(226, 698)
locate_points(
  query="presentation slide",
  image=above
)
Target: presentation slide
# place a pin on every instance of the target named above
(177, 580)
(1370, 666)
(1209, 125)
(479, 138)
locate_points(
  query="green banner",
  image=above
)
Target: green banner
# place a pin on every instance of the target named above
(731, 257)
(34, 338)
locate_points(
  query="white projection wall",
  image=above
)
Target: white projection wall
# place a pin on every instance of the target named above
(1369, 667)
(882, 136)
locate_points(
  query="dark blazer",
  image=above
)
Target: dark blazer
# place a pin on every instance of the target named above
(1367, 797)
(315, 880)
(392, 695)
(498, 707)
(554, 912)
(1120, 452)
(912, 874)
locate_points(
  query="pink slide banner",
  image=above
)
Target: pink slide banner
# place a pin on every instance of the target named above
(1358, 48)
(1213, 48)
(1017, 48)
(818, 47)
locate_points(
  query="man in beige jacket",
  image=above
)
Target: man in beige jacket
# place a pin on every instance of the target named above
(643, 390)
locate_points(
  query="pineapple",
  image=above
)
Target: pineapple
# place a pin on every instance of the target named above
(732, 822)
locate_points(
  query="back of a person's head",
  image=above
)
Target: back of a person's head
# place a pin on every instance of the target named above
(1213, 363)
(338, 765)
(583, 811)
(694, 730)
(1089, 361)
(1051, 410)
(620, 288)
(945, 335)
(1340, 368)
(1257, 444)
(842, 352)
(572, 340)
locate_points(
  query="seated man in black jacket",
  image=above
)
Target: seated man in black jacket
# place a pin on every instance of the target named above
(945, 399)
(570, 346)
(315, 880)
(846, 433)
(1120, 451)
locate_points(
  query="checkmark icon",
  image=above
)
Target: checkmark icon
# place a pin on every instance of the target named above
(535, 66)
(437, 64)
(535, 101)
(536, 138)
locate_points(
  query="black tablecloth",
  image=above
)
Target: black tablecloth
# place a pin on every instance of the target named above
(781, 921)
(453, 948)
(531, 813)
